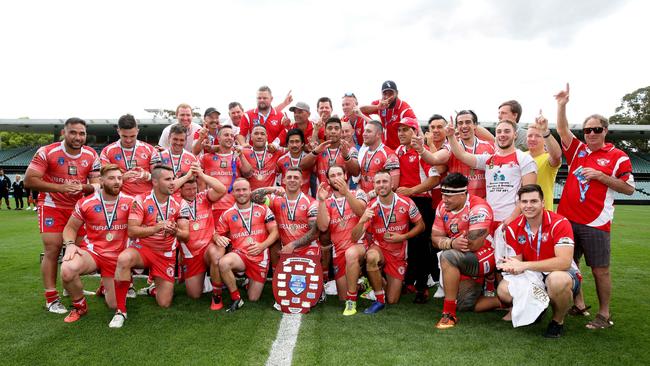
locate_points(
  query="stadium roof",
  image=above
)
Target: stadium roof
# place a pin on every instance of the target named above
(102, 126)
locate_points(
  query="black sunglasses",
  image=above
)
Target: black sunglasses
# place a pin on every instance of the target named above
(597, 130)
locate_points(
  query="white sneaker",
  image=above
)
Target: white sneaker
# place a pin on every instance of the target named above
(56, 307)
(89, 293)
(145, 290)
(35, 208)
(330, 288)
(130, 293)
(440, 293)
(118, 320)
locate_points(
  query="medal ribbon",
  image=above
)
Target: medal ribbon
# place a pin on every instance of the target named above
(331, 161)
(155, 201)
(129, 163)
(390, 214)
(258, 162)
(247, 225)
(531, 237)
(341, 208)
(292, 214)
(367, 161)
(113, 215)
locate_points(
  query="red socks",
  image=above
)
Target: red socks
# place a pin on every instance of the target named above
(51, 295)
(216, 288)
(80, 304)
(351, 296)
(234, 295)
(121, 288)
(449, 307)
(381, 297)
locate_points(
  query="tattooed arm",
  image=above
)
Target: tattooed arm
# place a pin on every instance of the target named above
(259, 195)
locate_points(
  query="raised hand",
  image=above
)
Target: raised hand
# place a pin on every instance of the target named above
(322, 192)
(562, 97)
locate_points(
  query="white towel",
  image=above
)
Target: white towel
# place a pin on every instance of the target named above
(529, 297)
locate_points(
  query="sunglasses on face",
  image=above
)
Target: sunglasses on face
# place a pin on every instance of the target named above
(596, 130)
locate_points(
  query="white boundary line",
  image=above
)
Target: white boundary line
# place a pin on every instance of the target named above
(282, 348)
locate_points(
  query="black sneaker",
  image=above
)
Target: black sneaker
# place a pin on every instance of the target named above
(421, 297)
(236, 305)
(554, 330)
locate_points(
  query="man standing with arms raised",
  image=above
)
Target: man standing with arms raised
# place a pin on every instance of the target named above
(63, 172)
(155, 222)
(265, 115)
(596, 170)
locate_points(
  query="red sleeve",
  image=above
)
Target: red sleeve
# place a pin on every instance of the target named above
(511, 240)
(196, 135)
(562, 233)
(570, 151)
(222, 228)
(244, 125)
(438, 223)
(414, 213)
(39, 161)
(104, 156)
(480, 217)
(76, 213)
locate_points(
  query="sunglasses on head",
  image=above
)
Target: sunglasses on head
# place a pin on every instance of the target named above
(349, 95)
(597, 130)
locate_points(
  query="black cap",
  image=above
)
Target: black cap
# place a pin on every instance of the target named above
(388, 85)
(209, 111)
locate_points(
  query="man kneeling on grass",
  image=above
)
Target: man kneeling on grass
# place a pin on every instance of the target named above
(543, 242)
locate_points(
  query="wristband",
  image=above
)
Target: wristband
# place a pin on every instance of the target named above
(547, 135)
(347, 158)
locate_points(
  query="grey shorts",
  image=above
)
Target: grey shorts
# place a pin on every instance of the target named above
(593, 243)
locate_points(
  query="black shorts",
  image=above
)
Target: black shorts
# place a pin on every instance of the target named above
(593, 243)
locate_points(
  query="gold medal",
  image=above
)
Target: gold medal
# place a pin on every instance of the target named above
(196, 226)
(387, 235)
(342, 224)
(249, 240)
(259, 177)
(109, 237)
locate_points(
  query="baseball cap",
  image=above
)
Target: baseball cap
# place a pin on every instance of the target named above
(300, 105)
(388, 85)
(211, 110)
(411, 122)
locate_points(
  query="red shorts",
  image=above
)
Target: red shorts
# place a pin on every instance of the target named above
(309, 250)
(394, 265)
(158, 264)
(255, 271)
(339, 263)
(486, 260)
(195, 265)
(105, 265)
(54, 219)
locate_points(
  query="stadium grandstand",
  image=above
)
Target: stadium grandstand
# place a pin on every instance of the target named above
(101, 132)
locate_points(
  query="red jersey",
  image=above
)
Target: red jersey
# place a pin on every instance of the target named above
(382, 158)
(293, 218)
(226, 168)
(342, 221)
(264, 165)
(413, 169)
(285, 162)
(476, 177)
(358, 125)
(389, 119)
(57, 166)
(97, 215)
(180, 163)
(244, 226)
(272, 122)
(148, 211)
(590, 202)
(394, 218)
(142, 155)
(199, 213)
(476, 214)
(555, 232)
(330, 157)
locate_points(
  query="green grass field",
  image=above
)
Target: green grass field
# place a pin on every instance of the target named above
(189, 333)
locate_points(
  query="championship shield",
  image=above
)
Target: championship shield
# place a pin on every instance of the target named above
(297, 282)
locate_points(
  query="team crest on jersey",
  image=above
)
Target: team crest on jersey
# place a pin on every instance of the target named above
(60, 161)
(150, 209)
(464, 217)
(286, 165)
(303, 207)
(274, 122)
(49, 221)
(582, 154)
(283, 206)
(332, 204)
(215, 158)
(521, 239)
(445, 218)
(323, 154)
(393, 118)
(602, 162)
(143, 155)
(453, 228)
(544, 236)
(402, 210)
(84, 163)
(170, 271)
(97, 208)
(401, 270)
(257, 214)
(256, 121)
(124, 207)
(165, 160)
(377, 161)
(412, 158)
(234, 218)
(187, 161)
(118, 157)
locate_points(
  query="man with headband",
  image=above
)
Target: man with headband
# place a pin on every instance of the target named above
(460, 230)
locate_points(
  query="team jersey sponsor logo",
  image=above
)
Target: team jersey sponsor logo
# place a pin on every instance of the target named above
(453, 228)
(412, 158)
(521, 239)
(602, 162)
(49, 221)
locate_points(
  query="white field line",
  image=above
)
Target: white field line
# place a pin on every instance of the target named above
(282, 348)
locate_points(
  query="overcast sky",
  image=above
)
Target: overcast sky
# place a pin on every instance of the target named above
(80, 58)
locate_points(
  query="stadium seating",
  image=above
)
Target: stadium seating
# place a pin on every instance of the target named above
(21, 159)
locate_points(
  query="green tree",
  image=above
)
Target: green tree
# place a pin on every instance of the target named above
(634, 110)
(10, 140)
